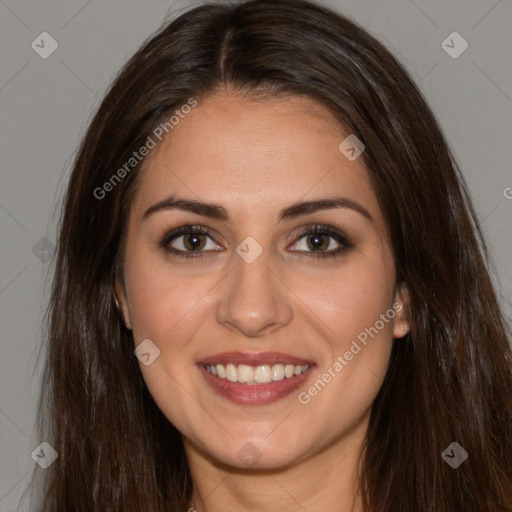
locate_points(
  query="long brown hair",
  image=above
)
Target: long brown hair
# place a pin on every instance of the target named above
(449, 380)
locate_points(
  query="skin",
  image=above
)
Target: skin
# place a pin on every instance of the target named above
(255, 158)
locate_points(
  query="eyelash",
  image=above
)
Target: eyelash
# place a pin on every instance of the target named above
(317, 229)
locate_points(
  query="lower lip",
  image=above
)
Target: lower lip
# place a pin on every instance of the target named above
(256, 394)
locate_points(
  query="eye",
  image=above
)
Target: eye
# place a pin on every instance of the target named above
(319, 238)
(189, 242)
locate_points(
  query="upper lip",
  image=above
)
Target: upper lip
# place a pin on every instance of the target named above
(254, 359)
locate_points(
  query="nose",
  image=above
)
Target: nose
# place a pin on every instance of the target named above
(254, 300)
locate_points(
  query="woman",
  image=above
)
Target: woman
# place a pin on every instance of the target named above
(271, 290)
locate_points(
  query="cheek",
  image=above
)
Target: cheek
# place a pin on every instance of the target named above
(166, 308)
(355, 299)
(161, 298)
(357, 308)
(355, 360)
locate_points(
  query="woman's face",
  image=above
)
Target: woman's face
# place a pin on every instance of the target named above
(311, 313)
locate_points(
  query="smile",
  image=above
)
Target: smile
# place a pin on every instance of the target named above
(254, 375)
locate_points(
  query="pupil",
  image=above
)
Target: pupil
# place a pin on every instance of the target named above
(196, 243)
(317, 242)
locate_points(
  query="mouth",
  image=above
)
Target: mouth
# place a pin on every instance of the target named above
(255, 379)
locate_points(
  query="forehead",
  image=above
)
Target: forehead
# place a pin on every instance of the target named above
(254, 155)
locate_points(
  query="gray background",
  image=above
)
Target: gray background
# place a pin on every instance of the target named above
(45, 105)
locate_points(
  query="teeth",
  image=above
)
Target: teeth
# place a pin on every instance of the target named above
(231, 373)
(278, 372)
(221, 371)
(288, 371)
(245, 373)
(261, 374)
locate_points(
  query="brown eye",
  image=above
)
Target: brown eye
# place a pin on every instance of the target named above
(188, 242)
(193, 241)
(318, 239)
(318, 242)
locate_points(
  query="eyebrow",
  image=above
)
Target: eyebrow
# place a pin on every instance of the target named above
(218, 212)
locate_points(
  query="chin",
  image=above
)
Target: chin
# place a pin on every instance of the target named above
(258, 453)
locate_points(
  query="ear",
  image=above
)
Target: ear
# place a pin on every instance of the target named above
(120, 295)
(401, 304)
